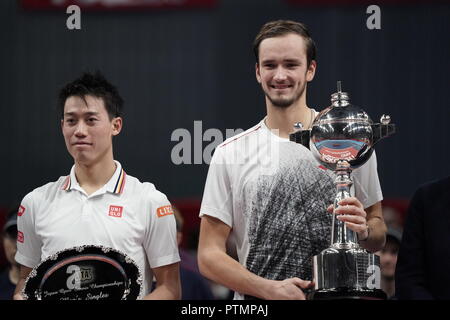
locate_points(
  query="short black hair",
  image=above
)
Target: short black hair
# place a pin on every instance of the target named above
(94, 84)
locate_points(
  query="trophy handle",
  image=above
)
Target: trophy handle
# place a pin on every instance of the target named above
(301, 136)
(383, 129)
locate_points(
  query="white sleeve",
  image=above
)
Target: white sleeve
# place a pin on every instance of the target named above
(160, 241)
(366, 183)
(217, 199)
(28, 242)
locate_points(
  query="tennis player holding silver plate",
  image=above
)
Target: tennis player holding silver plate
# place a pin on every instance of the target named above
(87, 235)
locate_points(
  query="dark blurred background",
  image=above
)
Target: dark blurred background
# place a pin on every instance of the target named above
(177, 65)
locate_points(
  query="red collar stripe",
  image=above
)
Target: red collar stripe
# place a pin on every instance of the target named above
(242, 135)
(67, 184)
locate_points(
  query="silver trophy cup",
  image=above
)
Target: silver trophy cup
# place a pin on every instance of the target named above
(342, 138)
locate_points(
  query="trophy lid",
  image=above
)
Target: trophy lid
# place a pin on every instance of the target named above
(342, 110)
(339, 98)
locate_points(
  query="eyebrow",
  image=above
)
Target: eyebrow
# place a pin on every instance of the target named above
(284, 61)
(89, 113)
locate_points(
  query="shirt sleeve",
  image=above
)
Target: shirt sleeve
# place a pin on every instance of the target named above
(217, 199)
(160, 241)
(29, 243)
(366, 183)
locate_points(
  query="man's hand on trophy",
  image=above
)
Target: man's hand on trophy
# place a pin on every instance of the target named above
(352, 213)
(288, 289)
(18, 296)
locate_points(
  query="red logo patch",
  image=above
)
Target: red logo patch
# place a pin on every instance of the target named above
(115, 211)
(164, 211)
(21, 211)
(20, 237)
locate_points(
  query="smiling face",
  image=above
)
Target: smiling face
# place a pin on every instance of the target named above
(88, 129)
(282, 69)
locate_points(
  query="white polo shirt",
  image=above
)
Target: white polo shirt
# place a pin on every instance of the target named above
(125, 214)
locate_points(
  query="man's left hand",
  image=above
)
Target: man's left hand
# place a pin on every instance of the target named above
(352, 213)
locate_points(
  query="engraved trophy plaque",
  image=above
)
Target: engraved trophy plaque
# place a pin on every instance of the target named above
(84, 273)
(342, 139)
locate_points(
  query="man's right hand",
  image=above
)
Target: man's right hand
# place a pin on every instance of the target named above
(288, 289)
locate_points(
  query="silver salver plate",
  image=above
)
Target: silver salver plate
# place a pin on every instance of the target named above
(84, 273)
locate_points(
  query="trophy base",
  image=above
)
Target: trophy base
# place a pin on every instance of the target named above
(347, 294)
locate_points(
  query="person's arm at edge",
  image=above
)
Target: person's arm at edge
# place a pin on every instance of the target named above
(24, 272)
(410, 280)
(217, 265)
(168, 285)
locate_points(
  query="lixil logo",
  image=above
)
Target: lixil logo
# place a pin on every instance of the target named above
(164, 211)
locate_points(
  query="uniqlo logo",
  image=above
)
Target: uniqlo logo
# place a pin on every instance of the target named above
(20, 237)
(115, 211)
(164, 211)
(21, 211)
